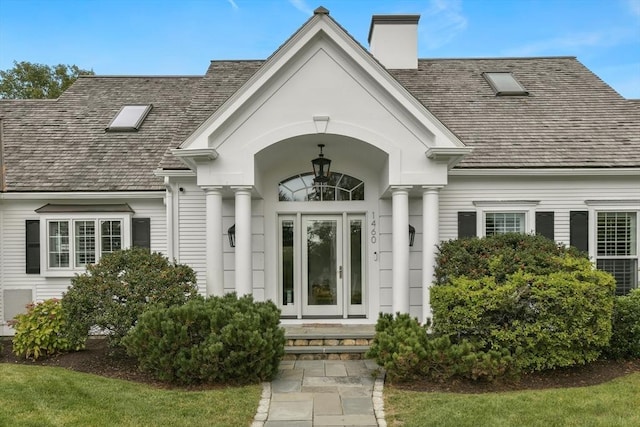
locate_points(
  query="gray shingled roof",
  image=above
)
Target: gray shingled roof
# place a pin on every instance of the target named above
(570, 119)
(61, 145)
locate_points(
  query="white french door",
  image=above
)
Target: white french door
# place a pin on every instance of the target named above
(321, 260)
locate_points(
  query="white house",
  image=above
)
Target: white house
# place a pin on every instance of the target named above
(420, 150)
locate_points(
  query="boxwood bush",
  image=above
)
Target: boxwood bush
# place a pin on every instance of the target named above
(500, 256)
(625, 339)
(546, 305)
(113, 293)
(219, 339)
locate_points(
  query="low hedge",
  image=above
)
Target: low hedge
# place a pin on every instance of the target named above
(219, 339)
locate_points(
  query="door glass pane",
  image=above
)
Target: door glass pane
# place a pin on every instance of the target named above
(287, 262)
(355, 251)
(321, 262)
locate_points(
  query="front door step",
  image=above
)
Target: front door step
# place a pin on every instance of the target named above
(331, 342)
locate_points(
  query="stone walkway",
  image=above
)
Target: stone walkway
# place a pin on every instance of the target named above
(315, 393)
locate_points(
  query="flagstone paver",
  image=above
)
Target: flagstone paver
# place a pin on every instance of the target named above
(317, 393)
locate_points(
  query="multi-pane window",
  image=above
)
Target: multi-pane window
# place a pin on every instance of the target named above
(111, 236)
(85, 243)
(58, 244)
(617, 248)
(82, 241)
(504, 222)
(302, 188)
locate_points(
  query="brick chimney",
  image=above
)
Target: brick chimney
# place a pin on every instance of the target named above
(393, 40)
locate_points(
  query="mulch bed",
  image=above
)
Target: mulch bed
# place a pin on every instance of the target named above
(98, 359)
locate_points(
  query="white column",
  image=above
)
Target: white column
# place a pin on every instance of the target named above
(214, 254)
(400, 202)
(243, 266)
(430, 240)
(168, 204)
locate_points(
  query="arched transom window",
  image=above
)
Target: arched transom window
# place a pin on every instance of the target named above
(301, 188)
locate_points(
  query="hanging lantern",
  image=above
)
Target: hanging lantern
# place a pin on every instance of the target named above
(321, 167)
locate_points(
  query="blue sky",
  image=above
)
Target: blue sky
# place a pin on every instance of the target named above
(180, 37)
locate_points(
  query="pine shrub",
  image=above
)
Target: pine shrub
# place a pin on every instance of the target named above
(408, 352)
(113, 293)
(215, 340)
(43, 331)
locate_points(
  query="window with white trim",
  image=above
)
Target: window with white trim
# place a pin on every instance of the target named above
(504, 222)
(505, 216)
(77, 240)
(617, 247)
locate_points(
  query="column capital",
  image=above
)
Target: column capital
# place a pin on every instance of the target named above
(432, 188)
(397, 188)
(211, 188)
(241, 188)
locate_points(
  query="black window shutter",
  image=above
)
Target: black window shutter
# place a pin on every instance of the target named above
(545, 224)
(579, 230)
(141, 230)
(467, 224)
(32, 227)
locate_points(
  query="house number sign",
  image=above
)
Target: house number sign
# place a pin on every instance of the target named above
(373, 234)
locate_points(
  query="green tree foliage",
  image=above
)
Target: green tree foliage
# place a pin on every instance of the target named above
(113, 293)
(546, 305)
(27, 80)
(219, 339)
(625, 339)
(43, 331)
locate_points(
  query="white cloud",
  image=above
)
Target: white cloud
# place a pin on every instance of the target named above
(634, 6)
(446, 21)
(302, 6)
(571, 43)
(233, 4)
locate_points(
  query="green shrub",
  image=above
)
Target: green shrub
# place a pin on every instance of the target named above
(219, 339)
(407, 352)
(546, 321)
(113, 293)
(500, 256)
(43, 331)
(625, 338)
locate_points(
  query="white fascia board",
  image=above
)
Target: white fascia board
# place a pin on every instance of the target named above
(548, 172)
(174, 173)
(84, 195)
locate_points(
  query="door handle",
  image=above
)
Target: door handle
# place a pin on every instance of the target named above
(340, 272)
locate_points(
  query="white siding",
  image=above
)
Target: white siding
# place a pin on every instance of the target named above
(12, 247)
(192, 245)
(191, 231)
(560, 195)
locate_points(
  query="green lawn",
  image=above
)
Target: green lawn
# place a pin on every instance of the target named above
(616, 403)
(42, 396)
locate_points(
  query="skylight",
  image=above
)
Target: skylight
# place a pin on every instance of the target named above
(505, 84)
(129, 118)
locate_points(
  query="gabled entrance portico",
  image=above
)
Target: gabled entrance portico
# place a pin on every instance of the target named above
(338, 258)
